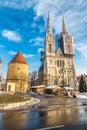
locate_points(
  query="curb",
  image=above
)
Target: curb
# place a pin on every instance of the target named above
(10, 106)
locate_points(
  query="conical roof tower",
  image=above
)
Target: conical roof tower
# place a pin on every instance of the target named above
(19, 58)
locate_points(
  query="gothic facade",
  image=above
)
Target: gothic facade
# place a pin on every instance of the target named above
(57, 66)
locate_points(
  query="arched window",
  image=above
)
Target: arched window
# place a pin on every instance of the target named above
(50, 48)
(51, 61)
(68, 48)
(58, 63)
(63, 63)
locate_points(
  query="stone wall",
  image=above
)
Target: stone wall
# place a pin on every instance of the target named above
(18, 74)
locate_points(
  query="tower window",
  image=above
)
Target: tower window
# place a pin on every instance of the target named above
(18, 68)
(50, 48)
(60, 63)
(51, 61)
(63, 63)
(68, 63)
(57, 63)
(68, 48)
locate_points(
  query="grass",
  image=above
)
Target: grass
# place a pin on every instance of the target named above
(13, 98)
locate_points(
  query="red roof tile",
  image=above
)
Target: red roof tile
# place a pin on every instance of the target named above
(18, 59)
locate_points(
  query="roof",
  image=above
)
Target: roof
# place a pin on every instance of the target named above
(84, 75)
(19, 58)
(51, 87)
(0, 61)
(68, 88)
(41, 86)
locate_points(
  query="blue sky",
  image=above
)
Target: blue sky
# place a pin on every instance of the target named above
(23, 26)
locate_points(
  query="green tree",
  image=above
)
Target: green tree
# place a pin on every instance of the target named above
(82, 84)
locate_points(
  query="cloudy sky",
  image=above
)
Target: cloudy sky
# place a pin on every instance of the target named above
(23, 26)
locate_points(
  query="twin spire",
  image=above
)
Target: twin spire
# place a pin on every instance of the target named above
(63, 25)
(49, 28)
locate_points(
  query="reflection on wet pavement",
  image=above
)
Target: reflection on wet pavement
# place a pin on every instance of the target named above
(35, 118)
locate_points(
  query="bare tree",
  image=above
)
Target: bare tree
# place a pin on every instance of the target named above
(34, 78)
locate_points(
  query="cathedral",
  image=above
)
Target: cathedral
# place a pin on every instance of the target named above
(57, 65)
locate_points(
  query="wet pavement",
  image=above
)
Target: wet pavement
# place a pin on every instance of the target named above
(51, 113)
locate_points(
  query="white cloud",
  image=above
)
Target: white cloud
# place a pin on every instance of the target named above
(34, 25)
(75, 13)
(11, 35)
(25, 55)
(40, 49)
(36, 41)
(28, 55)
(17, 4)
(12, 52)
(72, 11)
(82, 48)
(2, 46)
(41, 29)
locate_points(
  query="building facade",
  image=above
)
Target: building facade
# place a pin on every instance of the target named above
(17, 75)
(57, 66)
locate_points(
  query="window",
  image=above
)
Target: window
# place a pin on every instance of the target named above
(57, 63)
(50, 48)
(9, 88)
(60, 63)
(63, 63)
(68, 48)
(68, 63)
(51, 61)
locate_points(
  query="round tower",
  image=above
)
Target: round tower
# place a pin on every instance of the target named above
(17, 75)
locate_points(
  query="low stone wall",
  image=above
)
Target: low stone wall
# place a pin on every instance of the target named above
(10, 106)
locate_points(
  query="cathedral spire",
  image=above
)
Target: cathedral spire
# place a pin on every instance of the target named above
(63, 25)
(49, 28)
